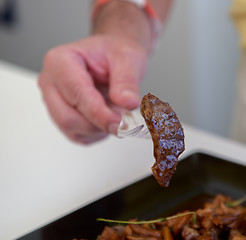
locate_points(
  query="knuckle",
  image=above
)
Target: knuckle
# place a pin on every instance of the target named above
(127, 79)
(94, 111)
(49, 56)
(53, 54)
(75, 92)
(99, 118)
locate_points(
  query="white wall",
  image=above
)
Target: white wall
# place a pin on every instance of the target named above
(42, 25)
(193, 68)
(215, 60)
(170, 75)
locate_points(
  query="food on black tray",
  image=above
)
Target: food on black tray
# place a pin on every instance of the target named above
(167, 135)
(219, 219)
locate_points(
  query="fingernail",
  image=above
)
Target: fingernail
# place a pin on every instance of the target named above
(113, 128)
(131, 95)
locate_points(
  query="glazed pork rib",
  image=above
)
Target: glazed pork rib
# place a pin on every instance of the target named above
(167, 135)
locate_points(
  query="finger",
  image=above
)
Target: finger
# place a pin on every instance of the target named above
(79, 90)
(74, 125)
(126, 73)
(97, 67)
(87, 139)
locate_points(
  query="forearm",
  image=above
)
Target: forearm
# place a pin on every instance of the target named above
(162, 7)
(125, 20)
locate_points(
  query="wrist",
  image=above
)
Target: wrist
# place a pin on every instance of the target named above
(124, 20)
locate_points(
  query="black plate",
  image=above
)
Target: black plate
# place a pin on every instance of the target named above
(198, 178)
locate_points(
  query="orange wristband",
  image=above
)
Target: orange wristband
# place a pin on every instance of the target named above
(149, 10)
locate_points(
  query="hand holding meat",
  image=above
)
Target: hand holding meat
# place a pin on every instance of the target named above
(81, 82)
(84, 82)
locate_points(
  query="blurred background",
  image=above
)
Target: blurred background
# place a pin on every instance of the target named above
(194, 67)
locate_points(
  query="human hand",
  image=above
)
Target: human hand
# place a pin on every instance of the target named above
(85, 83)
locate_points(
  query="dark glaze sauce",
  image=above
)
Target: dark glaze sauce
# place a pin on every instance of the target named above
(167, 135)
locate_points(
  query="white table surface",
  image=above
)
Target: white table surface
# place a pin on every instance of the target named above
(44, 176)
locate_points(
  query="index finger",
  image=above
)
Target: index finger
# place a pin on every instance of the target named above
(78, 88)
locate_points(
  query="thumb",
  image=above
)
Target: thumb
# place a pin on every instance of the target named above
(125, 77)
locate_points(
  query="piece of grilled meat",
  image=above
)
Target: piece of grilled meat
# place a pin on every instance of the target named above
(167, 135)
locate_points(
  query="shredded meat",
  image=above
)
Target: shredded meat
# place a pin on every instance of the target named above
(216, 221)
(167, 135)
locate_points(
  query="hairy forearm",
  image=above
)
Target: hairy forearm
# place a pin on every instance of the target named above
(125, 20)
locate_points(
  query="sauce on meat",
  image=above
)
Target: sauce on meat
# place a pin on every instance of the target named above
(167, 135)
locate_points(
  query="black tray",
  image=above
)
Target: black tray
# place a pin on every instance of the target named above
(198, 178)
